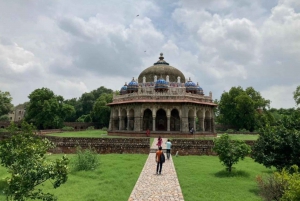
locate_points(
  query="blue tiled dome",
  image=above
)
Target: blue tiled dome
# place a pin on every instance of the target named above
(191, 86)
(161, 84)
(124, 89)
(132, 86)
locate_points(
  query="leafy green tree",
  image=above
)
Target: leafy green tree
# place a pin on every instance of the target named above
(24, 154)
(297, 95)
(85, 104)
(47, 110)
(277, 146)
(230, 151)
(4, 118)
(239, 108)
(101, 112)
(5, 103)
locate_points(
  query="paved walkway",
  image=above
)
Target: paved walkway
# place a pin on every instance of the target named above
(157, 187)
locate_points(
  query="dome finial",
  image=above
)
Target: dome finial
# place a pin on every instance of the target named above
(161, 56)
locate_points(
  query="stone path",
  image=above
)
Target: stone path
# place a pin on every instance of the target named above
(157, 187)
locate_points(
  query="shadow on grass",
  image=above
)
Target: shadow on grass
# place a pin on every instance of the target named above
(233, 173)
(3, 184)
(254, 191)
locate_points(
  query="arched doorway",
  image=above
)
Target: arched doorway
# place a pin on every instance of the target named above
(175, 120)
(147, 120)
(161, 120)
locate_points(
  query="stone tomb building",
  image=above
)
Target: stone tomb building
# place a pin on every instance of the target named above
(163, 101)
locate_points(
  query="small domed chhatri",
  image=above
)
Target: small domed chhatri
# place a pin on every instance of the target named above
(132, 86)
(164, 105)
(124, 89)
(191, 87)
(161, 85)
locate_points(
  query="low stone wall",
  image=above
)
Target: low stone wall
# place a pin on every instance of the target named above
(162, 134)
(102, 145)
(196, 147)
(238, 132)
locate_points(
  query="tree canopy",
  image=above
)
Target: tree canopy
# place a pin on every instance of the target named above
(277, 146)
(241, 108)
(24, 154)
(47, 110)
(297, 95)
(101, 112)
(5, 104)
(85, 104)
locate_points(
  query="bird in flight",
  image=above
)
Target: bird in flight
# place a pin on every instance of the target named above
(137, 15)
(145, 51)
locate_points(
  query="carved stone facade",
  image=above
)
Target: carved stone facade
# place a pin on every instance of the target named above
(162, 105)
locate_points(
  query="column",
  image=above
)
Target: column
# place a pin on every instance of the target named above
(212, 125)
(120, 123)
(185, 124)
(153, 123)
(168, 123)
(128, 128)
(201, 122)
(194, 124)
(110, 127)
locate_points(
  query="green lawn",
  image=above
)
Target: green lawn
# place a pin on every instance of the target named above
(204, 178)
(87, 133)
(113, 180)
(242, 136)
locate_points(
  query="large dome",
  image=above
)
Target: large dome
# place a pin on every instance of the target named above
(161, 68)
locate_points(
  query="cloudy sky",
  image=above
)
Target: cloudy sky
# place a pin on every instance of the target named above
(72, 47)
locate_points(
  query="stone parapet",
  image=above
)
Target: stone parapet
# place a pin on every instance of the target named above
(101, 145)
(176, 94)
(196, 147)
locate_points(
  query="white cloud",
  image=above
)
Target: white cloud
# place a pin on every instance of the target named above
(73, 48)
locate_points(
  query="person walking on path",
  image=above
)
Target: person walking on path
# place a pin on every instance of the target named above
(169, 144)
(159, 141)
(148, 132)
(159, 152)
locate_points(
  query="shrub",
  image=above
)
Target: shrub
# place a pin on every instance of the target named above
(270, 187)
(90, 128)
(243, 130)
(230, 151)
(86, 159)
(104, 129)
(230, 130)
(67, 128)
(283, 185)
(3, 130)
(291, 179)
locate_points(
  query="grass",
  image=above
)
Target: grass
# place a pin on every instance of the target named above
(242, 136)
(113, 180)
(204, 178)
(87, 133)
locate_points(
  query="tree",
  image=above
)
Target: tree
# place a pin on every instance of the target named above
(84, 105)
(24, 154)
(239, 108)
(277, 146)
(230, 151)
(297, 95)
(47, 110)
(5, 103)
(101, 112)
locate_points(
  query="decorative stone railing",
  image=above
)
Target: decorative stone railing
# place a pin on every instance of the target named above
(173, 94)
